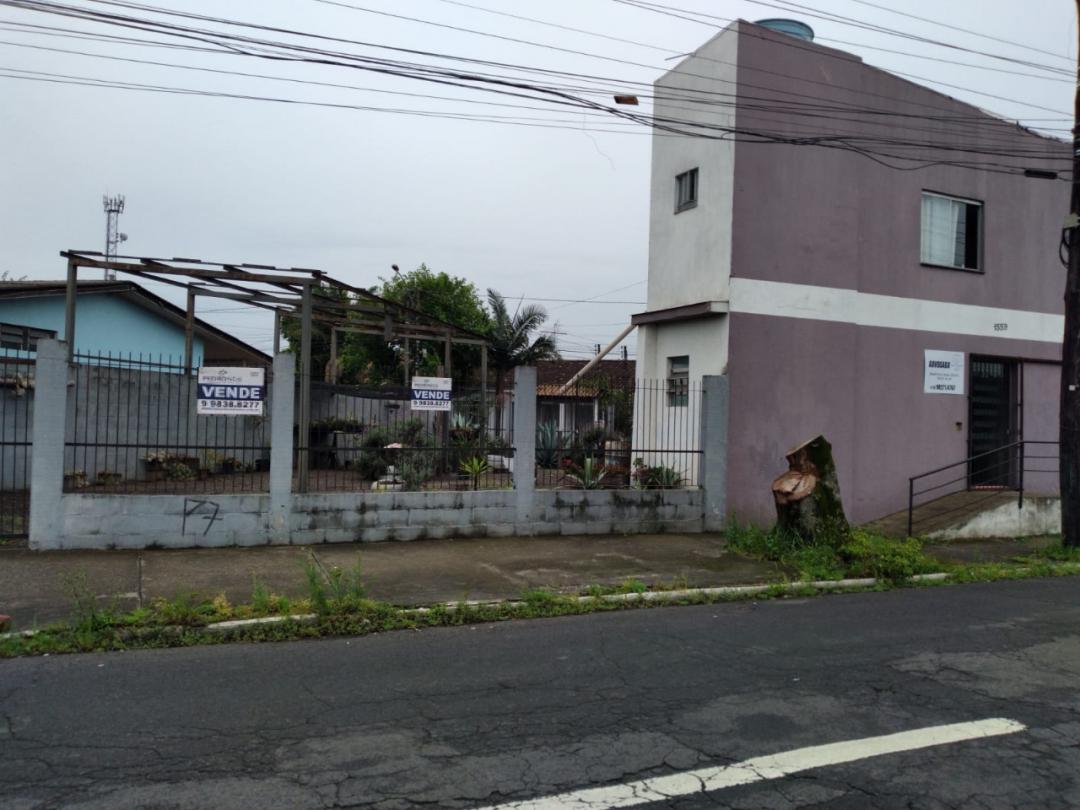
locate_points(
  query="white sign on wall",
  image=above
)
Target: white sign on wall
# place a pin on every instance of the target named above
(943, 372)
(431, 393)
(231, 391)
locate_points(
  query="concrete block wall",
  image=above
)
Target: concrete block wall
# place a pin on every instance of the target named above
(178, 521)
(80, 520)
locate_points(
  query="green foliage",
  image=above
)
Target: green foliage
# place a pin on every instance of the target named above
(179, 471)
(316, 582)
(549, 445)
(475, 467)
(593, 438)
(632, 586)
(860, 554)
(370, 360)
(335, 588)
(88, 616)
(184, 609)
(416, 468)
(538, 597)
(870, 555)
(511, 341)
(260, 597)
(659, 477)
(590, 475)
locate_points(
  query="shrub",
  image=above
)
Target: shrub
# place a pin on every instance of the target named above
(871, 555)
(590, 475)
(549, 445)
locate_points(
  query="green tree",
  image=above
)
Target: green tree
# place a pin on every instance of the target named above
(452, 300)
(512, 343)
(371, 360)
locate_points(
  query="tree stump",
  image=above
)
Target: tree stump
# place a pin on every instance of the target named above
(807, 496)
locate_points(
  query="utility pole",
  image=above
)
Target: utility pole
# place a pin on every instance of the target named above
(1069, 436)
(114, 206)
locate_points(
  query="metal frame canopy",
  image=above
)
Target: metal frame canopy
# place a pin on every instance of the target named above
(313, 295)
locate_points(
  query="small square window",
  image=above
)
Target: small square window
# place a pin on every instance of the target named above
(951, 232)
(686, 190)
(678, 382)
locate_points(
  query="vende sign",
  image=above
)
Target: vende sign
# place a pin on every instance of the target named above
(231, 391)
(431, 393)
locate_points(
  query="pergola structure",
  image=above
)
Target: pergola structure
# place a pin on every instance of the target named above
(311, 295)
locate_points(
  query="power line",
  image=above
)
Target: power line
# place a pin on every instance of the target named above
(963, 30)
(503, 86)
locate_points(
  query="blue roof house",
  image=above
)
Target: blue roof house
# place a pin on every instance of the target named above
(112, 317)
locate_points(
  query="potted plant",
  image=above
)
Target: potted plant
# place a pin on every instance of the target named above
(76, 479)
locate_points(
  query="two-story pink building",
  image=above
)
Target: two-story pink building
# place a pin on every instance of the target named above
(860, 257)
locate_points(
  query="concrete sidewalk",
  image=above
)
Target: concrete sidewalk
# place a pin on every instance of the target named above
(35, 585)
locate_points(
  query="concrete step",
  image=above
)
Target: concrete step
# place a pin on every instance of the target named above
(942, 514)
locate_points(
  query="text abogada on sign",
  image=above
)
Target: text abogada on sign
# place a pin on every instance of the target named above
(231, 391)
(431, 393)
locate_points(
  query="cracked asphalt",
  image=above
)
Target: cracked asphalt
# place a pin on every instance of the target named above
(493, 714)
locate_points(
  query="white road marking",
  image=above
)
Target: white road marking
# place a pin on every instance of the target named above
(758, 769)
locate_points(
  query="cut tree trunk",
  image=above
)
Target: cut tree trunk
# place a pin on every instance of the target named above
(807, 496)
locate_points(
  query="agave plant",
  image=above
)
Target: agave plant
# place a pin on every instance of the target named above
(590, 475)
(475, 467)
(549, 445)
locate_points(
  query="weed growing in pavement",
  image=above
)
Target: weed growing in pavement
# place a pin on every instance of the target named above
(260, 597)
(858, 553)
(538, 597)
(632, 586)
(336, 587)
(89, 617)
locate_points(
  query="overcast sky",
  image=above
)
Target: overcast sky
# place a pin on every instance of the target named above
(558, 211)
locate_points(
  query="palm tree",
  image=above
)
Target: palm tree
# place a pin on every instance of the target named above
(511, 345)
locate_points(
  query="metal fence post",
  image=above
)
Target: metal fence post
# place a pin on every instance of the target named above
(47, 448)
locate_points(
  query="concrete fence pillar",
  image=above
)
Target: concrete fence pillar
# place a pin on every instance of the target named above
(47, 444)
(282, 405)
(715, 400)
(525, 444)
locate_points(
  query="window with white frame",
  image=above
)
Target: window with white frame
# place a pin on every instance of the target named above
(678, 381)
(22, 338)
(686, 190)
(951, 232)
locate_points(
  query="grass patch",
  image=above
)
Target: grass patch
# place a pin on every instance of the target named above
(858, 553)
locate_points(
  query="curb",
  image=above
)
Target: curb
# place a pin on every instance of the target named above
(645, 596)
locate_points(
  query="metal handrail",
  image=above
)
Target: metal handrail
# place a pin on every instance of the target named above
(1017, 445)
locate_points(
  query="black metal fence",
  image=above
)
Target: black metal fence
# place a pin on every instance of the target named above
(617, 433)
(16, 420)
(940, 496)
(133, 427)
(371, 439)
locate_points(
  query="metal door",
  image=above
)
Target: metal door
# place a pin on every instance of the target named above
(992, 422)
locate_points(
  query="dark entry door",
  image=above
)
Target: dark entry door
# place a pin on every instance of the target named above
(992, 422)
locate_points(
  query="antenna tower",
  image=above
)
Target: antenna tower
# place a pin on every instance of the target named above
(114, 206)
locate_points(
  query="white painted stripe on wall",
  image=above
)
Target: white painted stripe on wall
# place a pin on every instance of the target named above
(758, 769)
(785, 300)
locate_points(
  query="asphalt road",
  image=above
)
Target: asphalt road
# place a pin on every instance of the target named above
(501, 714)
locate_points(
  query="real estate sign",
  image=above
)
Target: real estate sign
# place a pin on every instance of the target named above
(943, 372)
(231, 391)
(431, 393)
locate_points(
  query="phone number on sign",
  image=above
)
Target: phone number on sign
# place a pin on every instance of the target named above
(231, 404)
